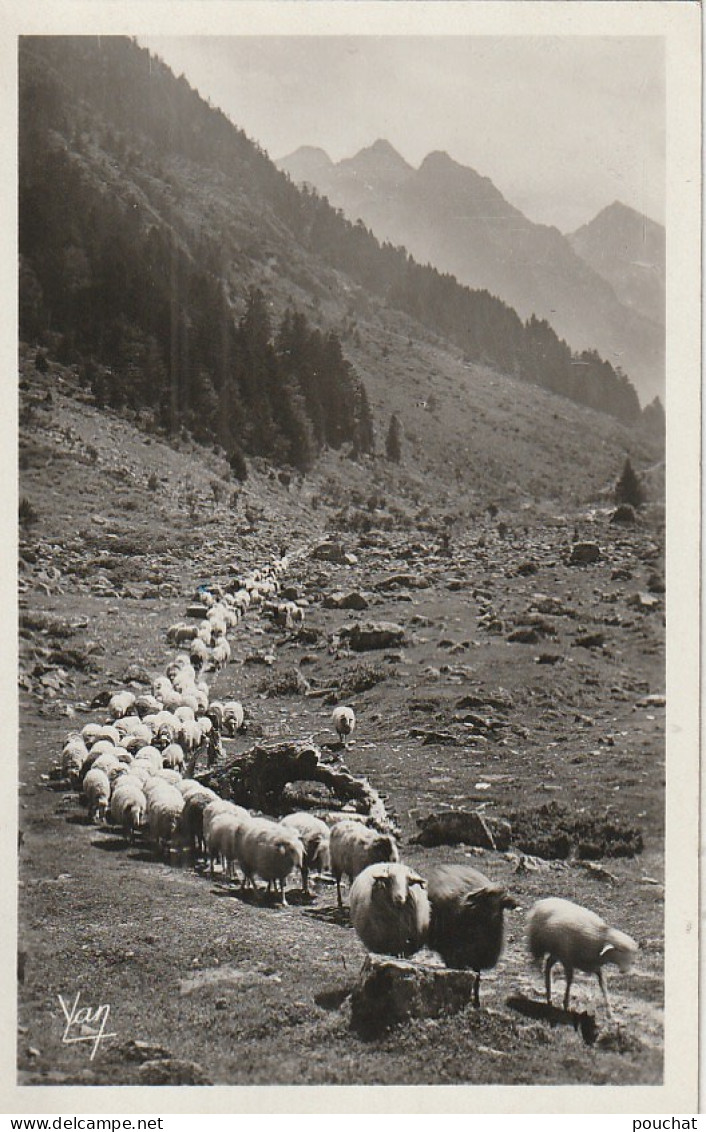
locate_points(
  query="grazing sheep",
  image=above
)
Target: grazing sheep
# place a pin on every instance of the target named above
(96, 789)
(198, 654)
(145, 703)
(128, 806)
(217, 806)
(73, 757)
(120, 704)
(354, 847)
(151, 757)
(578, 939)
(106, 763)
(164, 806)
(389, 909)
(270, 851)
(224, 838)
(344, 722)
(466, 919)
(220, 654)
(315, 837)
(233, 719)
(195, 802)
(173, 757)
(181, 633)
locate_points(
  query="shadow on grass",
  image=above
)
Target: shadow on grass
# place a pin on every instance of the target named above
(333, 999)
(330, 915)
(583, 1023)
(111, 844)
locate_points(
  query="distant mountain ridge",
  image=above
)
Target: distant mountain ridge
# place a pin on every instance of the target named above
(449, 215)
(629, 251)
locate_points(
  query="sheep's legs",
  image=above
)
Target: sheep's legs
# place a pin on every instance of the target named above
(338, 890)
(548, 977)
(604, 990)
(569, 972)
(476, 990)
(305, 880)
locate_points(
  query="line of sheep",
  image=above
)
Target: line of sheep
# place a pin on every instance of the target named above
(131, 773)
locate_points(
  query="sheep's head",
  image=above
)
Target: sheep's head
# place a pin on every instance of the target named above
(384, 849)
(392, 883)
(619, 949)
(487, 904)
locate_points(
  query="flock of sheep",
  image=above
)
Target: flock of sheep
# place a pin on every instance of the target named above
(136, 771)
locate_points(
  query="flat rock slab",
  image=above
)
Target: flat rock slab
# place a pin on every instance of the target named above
(376, 635)
(390, 991)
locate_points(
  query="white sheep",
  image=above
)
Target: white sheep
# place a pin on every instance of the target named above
(578, 939)
(354, 847)
(173, 757)
(315, 837)
(121, 703)
(217, 806)
(389, 909)
(164, 807)
(128, 806)
(198, 653)
(96, 789)
(224, 838)
(220, 654)
(233, 717)
(73, 757)
(270, 851)
(151, 757)
(343, 719)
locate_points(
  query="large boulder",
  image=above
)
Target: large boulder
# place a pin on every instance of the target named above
(375, 635)
(391, 991)
(584, 553)
(354, 600)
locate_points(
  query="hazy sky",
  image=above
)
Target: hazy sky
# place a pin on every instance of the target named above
(563, 126)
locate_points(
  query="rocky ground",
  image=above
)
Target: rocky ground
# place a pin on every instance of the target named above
(523, 678)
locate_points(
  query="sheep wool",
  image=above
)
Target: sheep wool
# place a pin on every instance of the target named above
(389, 909)
(354, 847)
(578, 939)
(270, 851)
(467, 922)
(343, 721)
(315, 837)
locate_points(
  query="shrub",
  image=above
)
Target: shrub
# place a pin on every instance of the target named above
(628, 489)
(27, 513)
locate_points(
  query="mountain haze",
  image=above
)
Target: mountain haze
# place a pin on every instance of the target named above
(449, 215)
(629, 251)
(185, 278)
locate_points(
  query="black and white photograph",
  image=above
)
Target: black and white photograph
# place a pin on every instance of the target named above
(356, 445)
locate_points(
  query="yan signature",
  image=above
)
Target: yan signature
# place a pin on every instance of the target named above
(85, 1024)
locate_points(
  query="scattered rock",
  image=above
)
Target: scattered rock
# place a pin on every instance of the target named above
(136, 673)
(624, 514)
(376, 635)
(329, 551)
(584, 553)
(392, 991)
(590, 641)
(134, 1050)
(406, 580)
(644, 602)
(172, 1071)
(354, 600)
